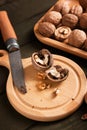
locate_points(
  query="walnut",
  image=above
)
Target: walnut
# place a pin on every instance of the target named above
(62, 33)
(83, 3)
(77, 10)
(42, 60)
(77, 38)
(70, 20)
(83, 21)
(46, 29)
(56, 73)
(53, 17)
(63, 8)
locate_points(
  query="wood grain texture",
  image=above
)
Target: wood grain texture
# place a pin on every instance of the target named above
(42, 105)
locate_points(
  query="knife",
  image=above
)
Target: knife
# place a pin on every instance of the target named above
(10, 40)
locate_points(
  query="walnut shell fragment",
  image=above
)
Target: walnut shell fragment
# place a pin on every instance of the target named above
(77, 38)
(70, 20)
(46, 29)
(56, 73)
(62, 33)
(42, 60)
(53, 17)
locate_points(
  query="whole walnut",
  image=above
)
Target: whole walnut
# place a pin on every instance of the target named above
(70, 20)
(53, 17)
(77, 10)
(62, 7)
(77, 38)
(47, 29)
(83, 3)
(83, 21)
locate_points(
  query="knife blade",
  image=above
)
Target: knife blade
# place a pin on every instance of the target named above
(10, 40)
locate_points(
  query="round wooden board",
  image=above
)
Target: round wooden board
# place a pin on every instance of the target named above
(41, 105)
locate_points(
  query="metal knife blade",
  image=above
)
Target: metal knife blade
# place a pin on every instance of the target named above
(13, 48)
(17, 70)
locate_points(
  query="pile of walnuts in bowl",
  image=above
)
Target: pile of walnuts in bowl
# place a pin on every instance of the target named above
(66, 24)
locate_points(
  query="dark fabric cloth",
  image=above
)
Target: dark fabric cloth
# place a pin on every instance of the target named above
(23, 15)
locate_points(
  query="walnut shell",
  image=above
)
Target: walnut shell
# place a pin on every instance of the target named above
(83, 3)
(77, 10)
(62, 33)
(83, 21)
(63, 8)
(42, 60)
(77, 38)
(53, 17)
(70, 20)
(47, 29)
(56, 73)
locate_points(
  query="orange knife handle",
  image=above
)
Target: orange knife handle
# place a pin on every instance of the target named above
(6, 27)
(8, 33)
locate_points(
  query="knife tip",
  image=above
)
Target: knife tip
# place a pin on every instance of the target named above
(22, 89)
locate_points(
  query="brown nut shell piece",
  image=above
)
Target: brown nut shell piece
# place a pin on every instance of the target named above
(77, 38)
(56, 73)
(62, 33)
(63, 8)
(53, 17)
(42, 60)
(77, 10)
(83, 21)
(46, 29)
(83, 3)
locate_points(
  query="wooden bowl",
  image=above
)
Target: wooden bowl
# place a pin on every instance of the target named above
(56, 43)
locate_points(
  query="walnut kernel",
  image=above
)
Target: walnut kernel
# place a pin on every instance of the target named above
(62, 33)
(42, 85)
